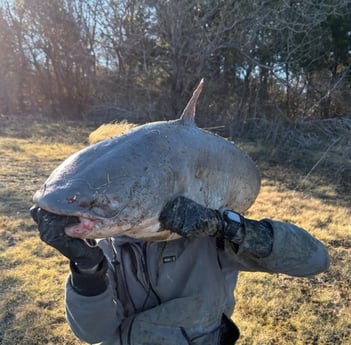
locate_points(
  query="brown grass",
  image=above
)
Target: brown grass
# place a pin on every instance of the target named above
(271, 309)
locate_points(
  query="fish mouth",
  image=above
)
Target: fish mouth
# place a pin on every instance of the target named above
(81, 229)
(89, 228)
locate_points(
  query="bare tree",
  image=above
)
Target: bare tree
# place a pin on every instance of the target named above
(49, 43)
(14, 63)
(288, 58)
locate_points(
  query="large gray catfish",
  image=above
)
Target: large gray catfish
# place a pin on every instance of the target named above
(119, 185)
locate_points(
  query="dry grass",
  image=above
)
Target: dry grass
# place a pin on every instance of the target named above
(286, 310)
(110, 130)
(271, 309)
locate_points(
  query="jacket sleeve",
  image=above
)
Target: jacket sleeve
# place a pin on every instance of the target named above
(181, 321)
(96, 319)
(93, 318)
(294, 252)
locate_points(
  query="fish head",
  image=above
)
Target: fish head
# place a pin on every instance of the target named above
(114, 186)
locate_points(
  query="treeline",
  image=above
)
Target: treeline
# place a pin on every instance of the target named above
(287, 59)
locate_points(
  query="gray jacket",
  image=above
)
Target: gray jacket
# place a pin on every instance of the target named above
(175, 292)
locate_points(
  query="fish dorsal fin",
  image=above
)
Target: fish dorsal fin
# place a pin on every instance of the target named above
(188, 115)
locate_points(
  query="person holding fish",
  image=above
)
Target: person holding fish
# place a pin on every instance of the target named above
(178, 292)
(175, 291)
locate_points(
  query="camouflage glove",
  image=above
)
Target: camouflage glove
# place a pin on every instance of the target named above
(189, 219)
(51, 228)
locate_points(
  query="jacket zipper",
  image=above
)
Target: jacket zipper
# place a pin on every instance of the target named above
(147, 274)
(130, 332)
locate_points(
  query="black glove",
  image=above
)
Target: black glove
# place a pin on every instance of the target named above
(51, 227)
(190, 219)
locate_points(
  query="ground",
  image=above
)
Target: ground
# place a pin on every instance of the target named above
(271, 309)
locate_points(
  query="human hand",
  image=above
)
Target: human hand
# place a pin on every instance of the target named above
(52, 231)
(190, 219)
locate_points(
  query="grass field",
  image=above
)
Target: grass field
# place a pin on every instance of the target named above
(271, 309)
